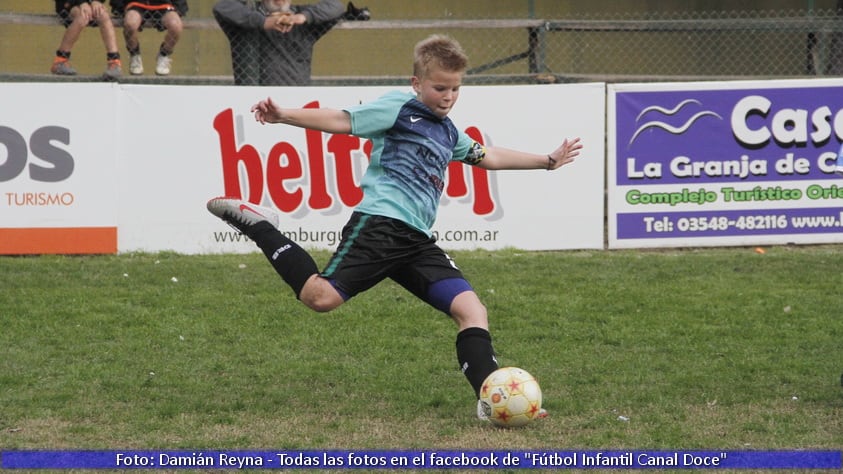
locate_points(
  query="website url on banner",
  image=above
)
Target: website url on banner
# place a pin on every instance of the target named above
(331, 238)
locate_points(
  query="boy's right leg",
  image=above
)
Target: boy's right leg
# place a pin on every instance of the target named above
(131, 25)
(132, 21)
(77, 23)
(295, 266)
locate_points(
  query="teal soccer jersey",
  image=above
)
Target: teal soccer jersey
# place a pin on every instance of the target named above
(412, 149)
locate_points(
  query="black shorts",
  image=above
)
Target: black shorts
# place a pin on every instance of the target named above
(63, 11)
(376, 247)
(152, 17)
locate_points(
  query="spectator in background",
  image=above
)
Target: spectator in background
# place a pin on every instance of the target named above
(164, 15)
(272, 41)
(76, 15)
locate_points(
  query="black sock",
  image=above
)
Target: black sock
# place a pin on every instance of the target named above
(476, 356)
(133, 52)
(163, 52)
(290, 261)
(112, 56)
(63, 54)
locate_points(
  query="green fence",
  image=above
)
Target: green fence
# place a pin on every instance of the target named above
(531, 45)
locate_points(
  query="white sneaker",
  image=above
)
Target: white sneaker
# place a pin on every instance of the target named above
(162, 66)
(241, 214)
(136, 65)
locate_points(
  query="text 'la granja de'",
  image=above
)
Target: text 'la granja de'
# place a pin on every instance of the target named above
(292, 179)
(785, 126)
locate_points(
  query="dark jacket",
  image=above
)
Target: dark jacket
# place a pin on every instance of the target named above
(260, 57)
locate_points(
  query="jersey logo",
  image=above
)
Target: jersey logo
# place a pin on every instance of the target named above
(414, 119)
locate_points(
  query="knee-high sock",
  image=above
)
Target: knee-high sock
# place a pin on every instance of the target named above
(290, 261)
(476, 356)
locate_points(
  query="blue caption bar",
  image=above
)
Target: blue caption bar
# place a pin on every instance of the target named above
(429, 459)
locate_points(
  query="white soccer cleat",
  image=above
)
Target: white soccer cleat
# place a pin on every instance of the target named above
(241, 215)
(483, 410)
(136, 65)
(162, 66)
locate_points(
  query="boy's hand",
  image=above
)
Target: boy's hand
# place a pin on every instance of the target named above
(98, 9)
(565, 154)
(266, 111)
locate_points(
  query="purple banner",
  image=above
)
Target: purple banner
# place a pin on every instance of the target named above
(428, 459)
(731, 161)
(745, 135)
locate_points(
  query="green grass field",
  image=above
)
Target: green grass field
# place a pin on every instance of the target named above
(671, 349)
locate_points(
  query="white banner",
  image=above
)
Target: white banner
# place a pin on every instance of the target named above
(58, 148)
(155, 154)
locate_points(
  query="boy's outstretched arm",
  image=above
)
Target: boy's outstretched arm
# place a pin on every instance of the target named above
(326, 120)
(498, 158)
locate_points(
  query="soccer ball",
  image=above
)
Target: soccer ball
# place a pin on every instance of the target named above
(511, 397)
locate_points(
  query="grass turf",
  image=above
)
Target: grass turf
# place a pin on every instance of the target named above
(691, 349)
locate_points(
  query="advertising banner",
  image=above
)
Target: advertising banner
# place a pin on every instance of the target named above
(83, 161)
(735, 163)
(58, 148)
(185, 145)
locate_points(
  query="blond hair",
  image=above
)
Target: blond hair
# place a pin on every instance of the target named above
(439, 51)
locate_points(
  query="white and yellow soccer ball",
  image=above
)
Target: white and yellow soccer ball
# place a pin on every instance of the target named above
(511, 397)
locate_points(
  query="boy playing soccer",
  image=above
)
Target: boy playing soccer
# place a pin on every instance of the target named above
(389, 232)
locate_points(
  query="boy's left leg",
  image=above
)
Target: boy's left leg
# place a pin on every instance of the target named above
(132, 22)
(434, 277)
(171, 21)
(75, 22)
(475, 353)
(113, 68)
(172, 24)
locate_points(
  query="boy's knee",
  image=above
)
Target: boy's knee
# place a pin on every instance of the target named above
(132, 20)
(319, 295)
(467, 311)
(319, 303)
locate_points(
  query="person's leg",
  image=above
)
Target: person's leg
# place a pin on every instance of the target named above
(475, 353)
(173, 25)
(295, 266)
(79, 17)
(433, 276)
(132, 21)
(320, 295)
(113, 68)
(109, 37)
